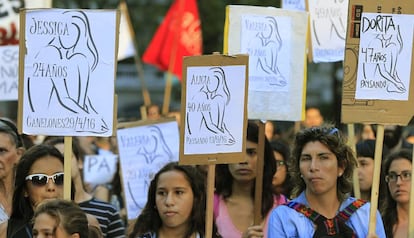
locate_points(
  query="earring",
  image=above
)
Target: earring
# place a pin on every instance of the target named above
(301, 175)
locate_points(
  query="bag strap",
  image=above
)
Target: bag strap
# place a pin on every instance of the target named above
(331, 226)
(308, 212)
(347, 212)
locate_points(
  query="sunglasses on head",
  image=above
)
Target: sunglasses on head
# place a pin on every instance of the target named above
(43, 179)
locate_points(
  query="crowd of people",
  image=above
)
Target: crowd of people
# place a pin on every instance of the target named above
(307, 188)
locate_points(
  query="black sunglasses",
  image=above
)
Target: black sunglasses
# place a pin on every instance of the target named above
(43, 179)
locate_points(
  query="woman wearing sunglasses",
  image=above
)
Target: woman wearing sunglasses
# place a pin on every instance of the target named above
(395, 210)
(39, 176)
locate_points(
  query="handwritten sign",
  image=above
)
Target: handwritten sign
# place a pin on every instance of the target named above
(294, 5)
(68, 65)
(386, 45)
(9, 60)
(328, 20)
(376, 111)
(265, 42)
(275, 40)
(99, 169)
(143, 150)
(214, 96)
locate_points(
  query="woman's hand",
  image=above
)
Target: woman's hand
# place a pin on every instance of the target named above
(254, 232)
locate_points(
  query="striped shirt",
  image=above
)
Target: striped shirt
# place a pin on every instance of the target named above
(108, 217)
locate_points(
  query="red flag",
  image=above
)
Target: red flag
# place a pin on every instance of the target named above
(179, 34)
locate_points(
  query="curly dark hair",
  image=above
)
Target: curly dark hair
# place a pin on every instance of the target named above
(224, 179)
(336, 142)
(150, 221)
(389, 206)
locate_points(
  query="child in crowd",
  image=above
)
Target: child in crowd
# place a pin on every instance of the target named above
(111, 224)
(62, 219)
(176, 205)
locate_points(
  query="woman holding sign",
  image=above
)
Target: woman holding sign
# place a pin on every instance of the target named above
(397, 169)
(322, 168)
(235, 187)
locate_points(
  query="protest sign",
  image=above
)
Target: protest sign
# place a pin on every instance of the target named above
(143, 150)
(376, 86)
(99, 169)
(327, 29)
(9, 60)
(214, 95)
(275, 40)
(294, 5)
(67, 67)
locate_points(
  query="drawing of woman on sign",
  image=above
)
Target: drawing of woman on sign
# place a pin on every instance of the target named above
(75, 57)
(381, 64)
(210, 112)
(332, 15)
(268, 44)
(154, 153)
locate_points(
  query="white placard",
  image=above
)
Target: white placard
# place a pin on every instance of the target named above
(385, 50)
(143, 150)
(328, 22)
(99, 169)
(280, 93)
(294, 5)
(261, 39)
(69, 71)
(9, 60)
(215, 96)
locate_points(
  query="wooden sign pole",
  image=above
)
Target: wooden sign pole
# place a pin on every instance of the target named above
(67, 168)
(210, 199)
(376, 179)
(138, 63)
(259, 175)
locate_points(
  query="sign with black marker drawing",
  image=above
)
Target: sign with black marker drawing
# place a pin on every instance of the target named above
(9, 60)
(143, 150)
(99, 169)
(215, 96)
(328, 20)
(385, 56)
(69, 70)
